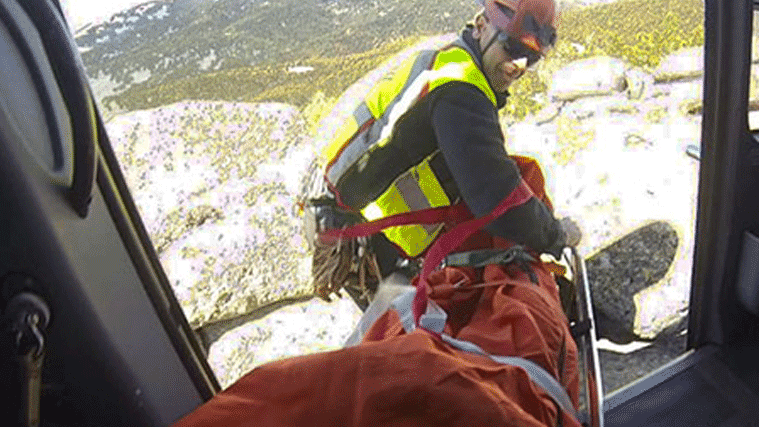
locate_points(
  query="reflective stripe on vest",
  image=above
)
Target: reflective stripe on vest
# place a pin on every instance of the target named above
(371, 127)
(372, 116)
(415, 190)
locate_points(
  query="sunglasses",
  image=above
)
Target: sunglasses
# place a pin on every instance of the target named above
(544, 34)
(518, 50)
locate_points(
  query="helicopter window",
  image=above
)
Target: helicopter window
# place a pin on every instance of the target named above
(216, 110)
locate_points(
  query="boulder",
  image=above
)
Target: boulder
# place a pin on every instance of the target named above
(595, 76)
(638, 83)
(214, 183)
(614, 163)
(229, 268)
(630, 265)
(684, 64)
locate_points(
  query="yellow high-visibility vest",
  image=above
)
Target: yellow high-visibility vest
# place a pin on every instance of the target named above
(371, 127)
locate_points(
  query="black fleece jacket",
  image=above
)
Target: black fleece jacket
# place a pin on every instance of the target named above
(466, 128)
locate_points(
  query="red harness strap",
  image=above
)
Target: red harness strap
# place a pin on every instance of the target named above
(445, 244)
(454, 214)
(448, 242)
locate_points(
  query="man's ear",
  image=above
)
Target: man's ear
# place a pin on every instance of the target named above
(480, 24)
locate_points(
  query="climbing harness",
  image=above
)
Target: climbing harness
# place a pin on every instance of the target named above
(516, 254)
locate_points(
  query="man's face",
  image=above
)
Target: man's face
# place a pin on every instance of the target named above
(500, 69)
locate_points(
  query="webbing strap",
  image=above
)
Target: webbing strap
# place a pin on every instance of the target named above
(449, 241)
(537, 374)
(483, 257)
(434, 320)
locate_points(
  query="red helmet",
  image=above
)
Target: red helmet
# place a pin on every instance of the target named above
(530, 21)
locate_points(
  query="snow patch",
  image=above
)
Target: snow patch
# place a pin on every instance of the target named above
(300, 69)
(103, 85)
(578, 47)
(142, 8)
(206, 62)
(565, 4)
(140, 76)
(607, 345)
(161, 13)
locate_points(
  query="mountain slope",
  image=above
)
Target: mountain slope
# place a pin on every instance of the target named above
(235, 50)
(168, 40)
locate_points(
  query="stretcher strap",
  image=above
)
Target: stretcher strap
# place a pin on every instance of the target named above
(434, 320)
(537, 374)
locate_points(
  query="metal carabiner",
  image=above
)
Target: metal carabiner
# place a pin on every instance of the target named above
(33, 322)
(28, 315)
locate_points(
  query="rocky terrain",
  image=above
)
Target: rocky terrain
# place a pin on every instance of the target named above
(218, 210)
(215, 180)
(214, 183)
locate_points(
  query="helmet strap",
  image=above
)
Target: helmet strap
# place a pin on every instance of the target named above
(490, 42)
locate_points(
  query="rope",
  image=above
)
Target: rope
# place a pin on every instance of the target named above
(344, 264)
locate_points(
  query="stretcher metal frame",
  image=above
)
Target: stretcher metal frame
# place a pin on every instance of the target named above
(592, 399)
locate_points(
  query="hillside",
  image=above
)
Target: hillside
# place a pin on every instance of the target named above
(164, 41)
(242, 51)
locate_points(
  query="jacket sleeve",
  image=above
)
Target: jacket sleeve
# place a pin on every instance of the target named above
(469, 136)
